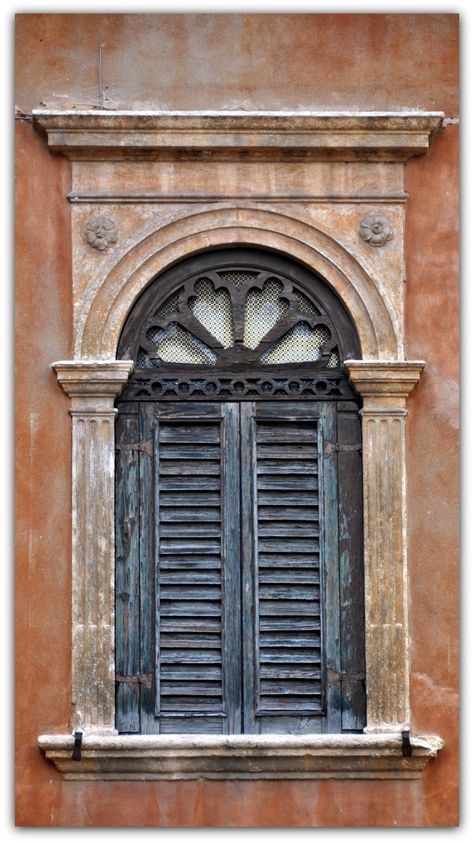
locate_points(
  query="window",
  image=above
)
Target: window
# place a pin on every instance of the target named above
(239, 580)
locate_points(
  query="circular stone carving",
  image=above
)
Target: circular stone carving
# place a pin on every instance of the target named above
(375, 230)
(100, 232)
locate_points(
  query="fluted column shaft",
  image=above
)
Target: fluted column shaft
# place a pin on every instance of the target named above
(93, 388)
(384, 387)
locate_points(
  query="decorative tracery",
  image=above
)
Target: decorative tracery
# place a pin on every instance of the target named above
(225, 317)
(231, 330)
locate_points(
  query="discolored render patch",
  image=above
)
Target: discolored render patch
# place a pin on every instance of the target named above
(239, 61)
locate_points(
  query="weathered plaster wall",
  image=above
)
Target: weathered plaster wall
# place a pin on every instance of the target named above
(228, 61)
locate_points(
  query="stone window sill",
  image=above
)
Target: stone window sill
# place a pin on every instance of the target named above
(351, 756)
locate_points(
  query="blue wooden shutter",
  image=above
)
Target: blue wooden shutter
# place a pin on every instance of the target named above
(239, 583)
(197, 594)
(282, 512)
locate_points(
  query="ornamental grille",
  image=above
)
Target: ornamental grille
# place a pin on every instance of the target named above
(236, 321)
(238, 279)
(263, 309)
(170, 305)
(213, 309)
(299, 345)
(175, 344)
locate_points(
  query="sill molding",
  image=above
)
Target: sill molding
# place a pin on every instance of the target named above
(153, 757)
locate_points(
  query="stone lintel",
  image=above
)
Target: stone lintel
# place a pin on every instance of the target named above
(235, 135)
(241, 756)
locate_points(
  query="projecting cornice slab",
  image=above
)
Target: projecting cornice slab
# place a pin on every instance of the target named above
(232, 135)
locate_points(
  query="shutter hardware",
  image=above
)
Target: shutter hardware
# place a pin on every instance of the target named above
(330, 447)
(76, 752)
(146, 447)
(333, 677)
(142, 679)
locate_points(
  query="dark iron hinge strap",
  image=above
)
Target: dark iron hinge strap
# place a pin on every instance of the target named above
(331, 447)
(142, 679)
(333, 676)
(146, 447)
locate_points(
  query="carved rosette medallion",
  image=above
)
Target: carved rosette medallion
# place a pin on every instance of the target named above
(375, 230)
(101, 232)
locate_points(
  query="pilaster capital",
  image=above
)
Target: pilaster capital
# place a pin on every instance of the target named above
(99, 381)
(384, 383)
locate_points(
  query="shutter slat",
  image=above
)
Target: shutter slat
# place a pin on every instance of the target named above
(188, 498)
(185, 516)
(190, 434)
(194, 530)
(282, 545)
(176, 483)
(288, 592)
(287, 452)
(287, 577)
(293, 484)
(203, 468)
(301, 498)
(186, 578)
(288, 528)
(190, 452)
(288, 513)
(281, 466)
(286, 433)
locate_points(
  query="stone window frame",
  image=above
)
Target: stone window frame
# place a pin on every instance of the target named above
(383, 378)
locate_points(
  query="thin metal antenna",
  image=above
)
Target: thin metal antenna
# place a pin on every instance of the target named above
(101, 84)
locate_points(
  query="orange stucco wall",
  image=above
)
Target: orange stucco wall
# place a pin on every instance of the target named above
(234, 61)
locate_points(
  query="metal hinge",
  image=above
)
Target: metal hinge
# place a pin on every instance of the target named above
(333, 677)
(330, 447)
(142, 679)
(146, 447)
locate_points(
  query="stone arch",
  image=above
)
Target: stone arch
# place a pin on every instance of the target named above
(98, 330)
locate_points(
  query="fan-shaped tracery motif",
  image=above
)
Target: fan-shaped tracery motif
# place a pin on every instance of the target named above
(222, 317)
(238, 325)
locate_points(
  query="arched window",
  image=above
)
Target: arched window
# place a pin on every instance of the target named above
(239, 572)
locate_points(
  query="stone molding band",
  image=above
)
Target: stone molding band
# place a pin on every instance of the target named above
(297, 136)
(240, 756)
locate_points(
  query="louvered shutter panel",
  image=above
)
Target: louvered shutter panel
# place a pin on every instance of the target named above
(284, 655)
(239, 568)
(197, 596)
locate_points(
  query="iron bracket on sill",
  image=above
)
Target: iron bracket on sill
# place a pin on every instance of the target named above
(76, 752)
(407, 750)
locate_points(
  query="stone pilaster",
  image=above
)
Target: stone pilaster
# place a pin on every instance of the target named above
(384, 387)
(93, 387)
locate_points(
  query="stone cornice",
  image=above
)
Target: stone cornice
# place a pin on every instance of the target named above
(103, 378)
(387, 378)
(241, 756)
(235, 135)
